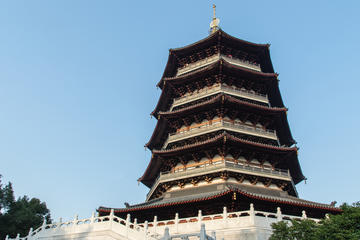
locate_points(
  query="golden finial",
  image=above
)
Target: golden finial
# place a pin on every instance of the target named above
(214, 7)
(214, 25)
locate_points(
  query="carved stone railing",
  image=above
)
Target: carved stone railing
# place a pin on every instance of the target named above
(85, 227)
(216, 125)
(125, 229)
(220, 88)
(209, 60)
(222, 221)
(201, 235)
(218, 166)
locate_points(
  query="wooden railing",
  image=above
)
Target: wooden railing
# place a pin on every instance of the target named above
(219, 88)
(209, 60)
(218, 165)
(218, 124)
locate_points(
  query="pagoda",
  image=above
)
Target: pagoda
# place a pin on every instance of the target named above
(223, 157)
(222, 138)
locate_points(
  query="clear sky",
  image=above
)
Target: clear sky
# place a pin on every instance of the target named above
(78, 82)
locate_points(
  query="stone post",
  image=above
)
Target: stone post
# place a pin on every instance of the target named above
(252, 214)
(202, 232)
(43, 224)
(146, 229)
(224, 215)
(135, 223)
(278, 214)
(127, 224)
(73, 225)
(111, 216)
(177, 222)
(76, 217)
(303, 216)
(30, 233)
(166, 234)
(200, 218)
(92, 218)
(155, 224)
(59, 223)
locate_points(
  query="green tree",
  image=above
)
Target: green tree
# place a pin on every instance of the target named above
(281, 231)
(345, 226)
(18, 216)
(295, 230)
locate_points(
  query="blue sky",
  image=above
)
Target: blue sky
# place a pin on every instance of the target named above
(78, 82)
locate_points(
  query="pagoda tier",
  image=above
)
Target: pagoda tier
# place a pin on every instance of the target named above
(212, 199)
(254, 86)
(193, 175)
(260, 123)
(227, 147)
(253, 56)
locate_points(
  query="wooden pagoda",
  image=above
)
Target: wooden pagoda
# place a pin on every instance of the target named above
(222, 137)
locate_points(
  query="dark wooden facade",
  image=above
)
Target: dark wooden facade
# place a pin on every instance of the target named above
(230, 82)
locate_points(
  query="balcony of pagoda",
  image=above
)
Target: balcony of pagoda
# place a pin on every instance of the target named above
(214, 58)
(220, 88)
(216, 125)
(220, 165)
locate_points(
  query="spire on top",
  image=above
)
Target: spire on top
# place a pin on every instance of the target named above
(214, 25)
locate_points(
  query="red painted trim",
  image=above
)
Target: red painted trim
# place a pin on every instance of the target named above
(333, 209)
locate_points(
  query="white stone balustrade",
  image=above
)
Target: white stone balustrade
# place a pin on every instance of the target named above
(94, 228)
(227, 225)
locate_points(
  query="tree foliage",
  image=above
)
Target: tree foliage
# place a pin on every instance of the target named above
(18, 216)
(345, 226)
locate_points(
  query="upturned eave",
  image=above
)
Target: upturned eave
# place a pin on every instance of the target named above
(214, 39)
(154, 165)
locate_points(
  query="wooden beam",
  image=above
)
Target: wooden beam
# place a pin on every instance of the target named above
(237, 154)
(254, 180)
(194, 181)
(240, 179)
(181, 184)
(208, 179)
(197, 119)
(268, 182)
(195, 157)
(208, 155)
(224, 176)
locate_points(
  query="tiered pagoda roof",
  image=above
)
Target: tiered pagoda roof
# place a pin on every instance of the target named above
(188, 205)
(219, 71)
(222, 138)
(276, 115)
(218, 42)
(287, 154)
